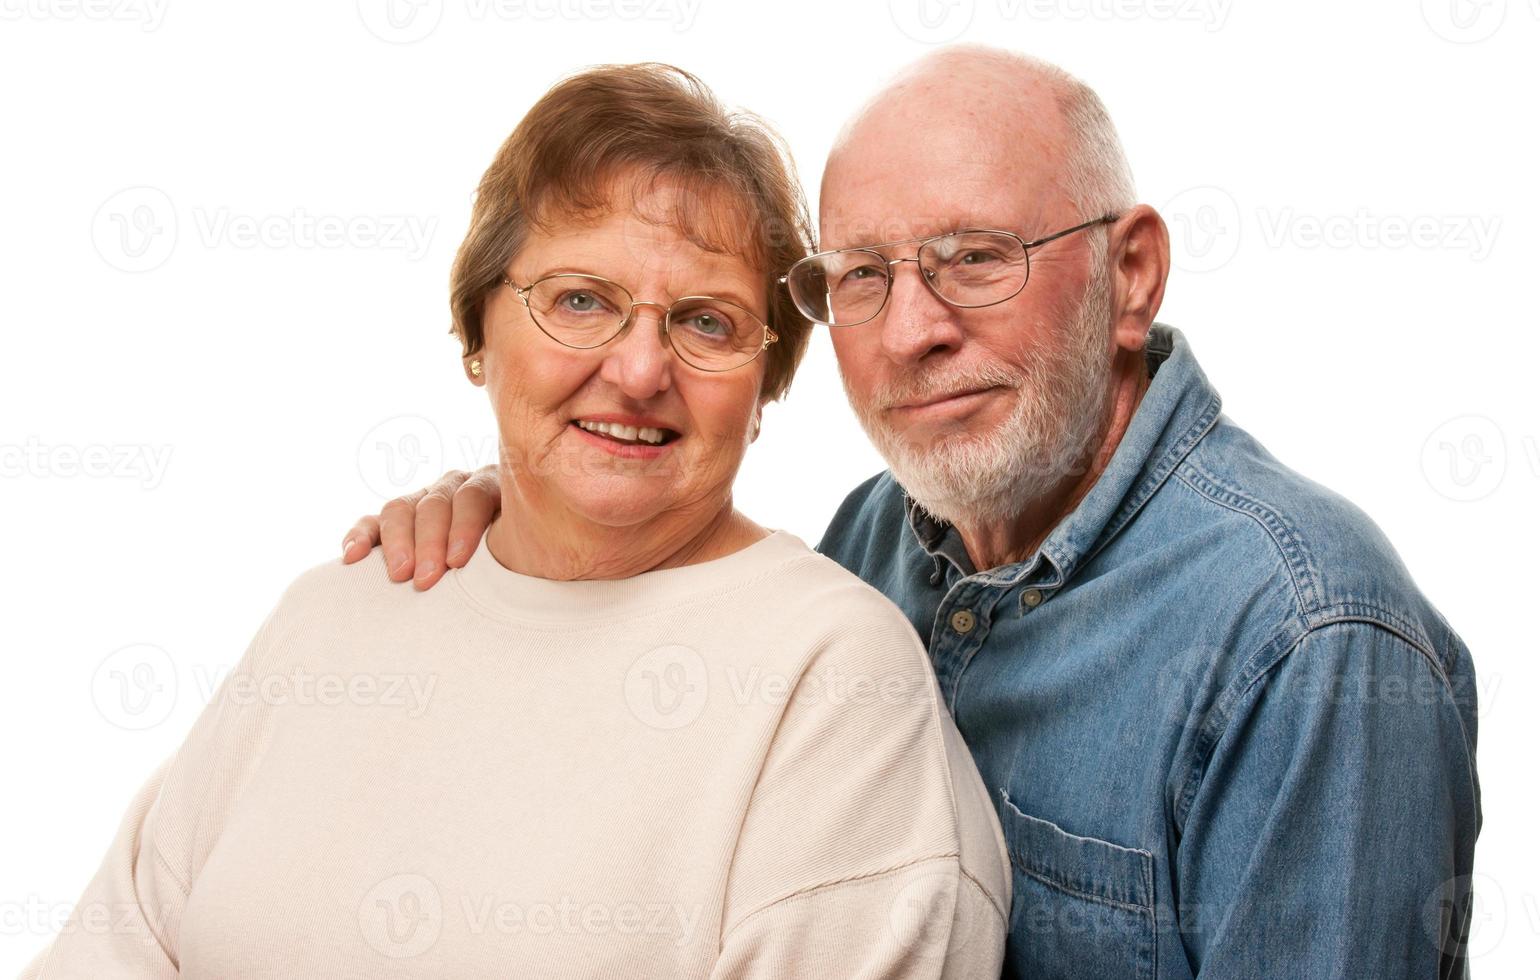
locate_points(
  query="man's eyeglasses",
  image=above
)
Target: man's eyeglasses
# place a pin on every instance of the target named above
(969, 268)
(585, 311)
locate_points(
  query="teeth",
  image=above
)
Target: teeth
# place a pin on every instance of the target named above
(628, 433)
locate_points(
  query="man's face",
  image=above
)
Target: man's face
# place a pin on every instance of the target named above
(978, 411)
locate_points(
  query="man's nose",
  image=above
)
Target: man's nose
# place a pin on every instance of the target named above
(639, 362)
(916, 322)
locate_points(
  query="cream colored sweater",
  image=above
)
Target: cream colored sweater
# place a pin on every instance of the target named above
(740, 768)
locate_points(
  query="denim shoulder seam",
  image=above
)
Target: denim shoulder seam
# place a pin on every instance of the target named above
(1290, 548)
(1258, 666)
(1313, 608)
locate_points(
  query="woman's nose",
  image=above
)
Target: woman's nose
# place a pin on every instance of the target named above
(639, 362)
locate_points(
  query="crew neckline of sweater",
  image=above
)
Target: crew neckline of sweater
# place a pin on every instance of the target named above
(502, 591)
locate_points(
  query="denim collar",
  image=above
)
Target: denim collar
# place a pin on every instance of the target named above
(1177, 409)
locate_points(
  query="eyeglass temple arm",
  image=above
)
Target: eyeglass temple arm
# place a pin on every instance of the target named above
(1104, 219)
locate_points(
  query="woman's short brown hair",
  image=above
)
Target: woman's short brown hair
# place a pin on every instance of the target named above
(642, 123)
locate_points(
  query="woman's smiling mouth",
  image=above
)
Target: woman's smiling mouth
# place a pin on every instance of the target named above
(627, 438)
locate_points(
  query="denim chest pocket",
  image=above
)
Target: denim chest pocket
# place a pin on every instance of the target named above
(1081, 908)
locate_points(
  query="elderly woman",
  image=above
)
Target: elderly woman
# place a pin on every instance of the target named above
(637, 734)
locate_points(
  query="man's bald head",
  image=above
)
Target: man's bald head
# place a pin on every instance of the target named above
(985, 117)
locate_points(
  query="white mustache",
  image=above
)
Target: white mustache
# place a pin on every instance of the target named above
(938, 386)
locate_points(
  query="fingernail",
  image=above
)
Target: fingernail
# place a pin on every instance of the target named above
(457, 550)
(426, 569)
(398, 562)
(347, 546)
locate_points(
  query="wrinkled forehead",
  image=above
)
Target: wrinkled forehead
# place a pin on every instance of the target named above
(880, 211)
(711, 214)
(892, 180)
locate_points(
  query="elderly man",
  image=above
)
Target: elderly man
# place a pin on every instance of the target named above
(1226, 734)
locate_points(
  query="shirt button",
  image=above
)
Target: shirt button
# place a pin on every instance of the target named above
(1032, 598)
(962, 621)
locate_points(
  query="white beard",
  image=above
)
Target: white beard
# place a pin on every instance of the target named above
(982, 478)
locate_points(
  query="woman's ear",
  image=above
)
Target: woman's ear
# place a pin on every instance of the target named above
(475, 369)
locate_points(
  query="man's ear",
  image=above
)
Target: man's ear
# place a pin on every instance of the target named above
(1138, 260)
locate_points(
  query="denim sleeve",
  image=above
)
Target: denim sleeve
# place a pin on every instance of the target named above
(1332, 830)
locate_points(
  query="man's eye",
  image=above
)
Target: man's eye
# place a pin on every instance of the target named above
(861, 273)
(978, 258)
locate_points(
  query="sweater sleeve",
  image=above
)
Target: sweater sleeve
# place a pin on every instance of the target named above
(870, 848)
(126, 923)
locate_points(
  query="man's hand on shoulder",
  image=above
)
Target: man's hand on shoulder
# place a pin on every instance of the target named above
(430, 530)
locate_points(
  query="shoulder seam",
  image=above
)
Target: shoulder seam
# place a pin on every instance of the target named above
(1256, 667)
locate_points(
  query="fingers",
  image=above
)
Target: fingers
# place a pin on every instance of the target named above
(398, 522)
(432, 529)
(360, 539)
(423, 534)
(474, 505)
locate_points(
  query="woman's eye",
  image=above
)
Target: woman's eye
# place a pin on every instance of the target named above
(579, 301)
(706, 323)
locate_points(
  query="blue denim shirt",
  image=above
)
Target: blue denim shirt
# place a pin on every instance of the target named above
(1226, 735)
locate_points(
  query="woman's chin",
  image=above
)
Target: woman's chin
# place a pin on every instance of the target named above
(617, 502)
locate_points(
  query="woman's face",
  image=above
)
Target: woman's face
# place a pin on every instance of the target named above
(542, 391)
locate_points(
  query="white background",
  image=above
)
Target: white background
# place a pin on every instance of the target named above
(199, 393)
